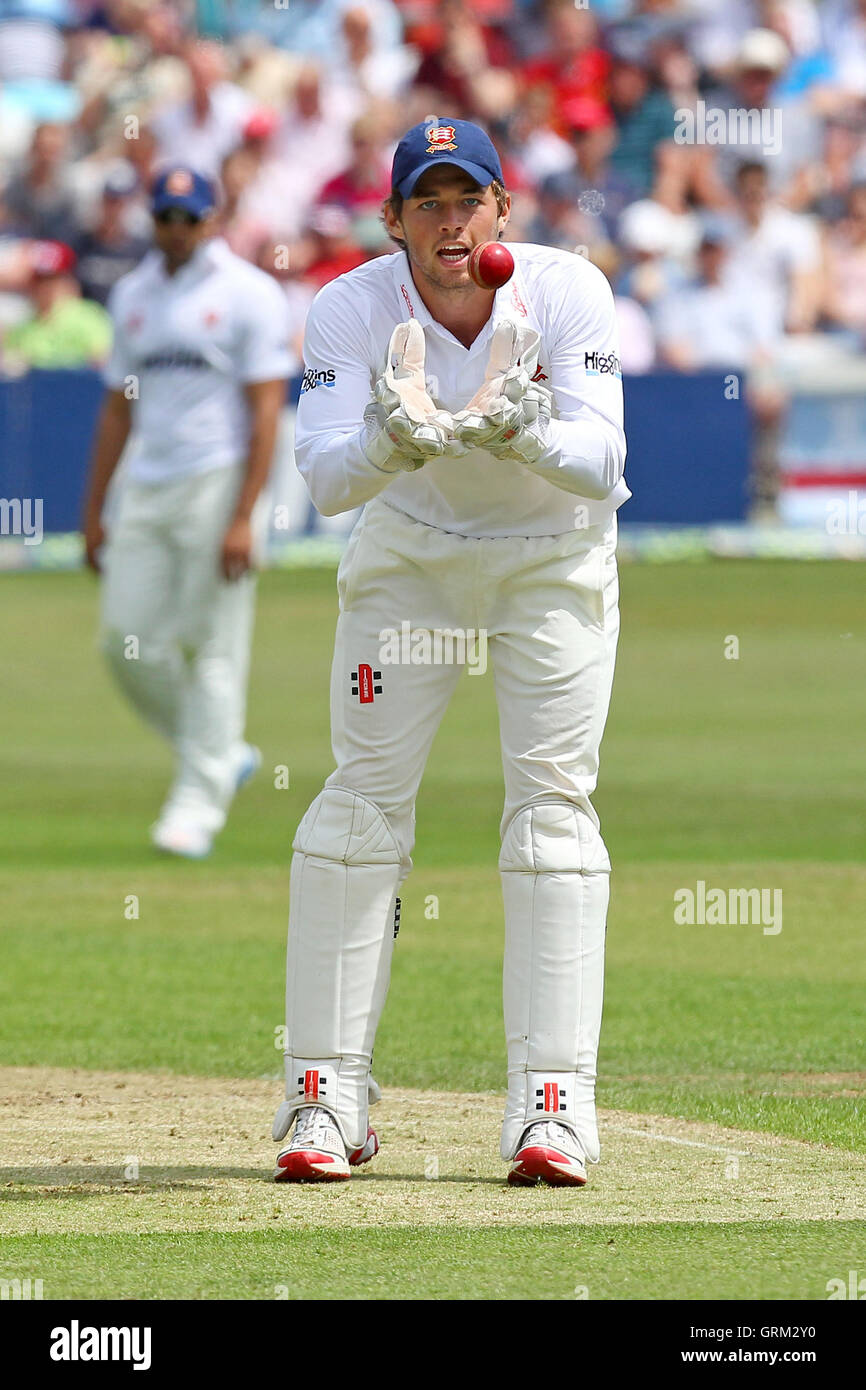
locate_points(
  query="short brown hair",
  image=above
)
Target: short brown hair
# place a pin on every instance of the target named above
(395, 202)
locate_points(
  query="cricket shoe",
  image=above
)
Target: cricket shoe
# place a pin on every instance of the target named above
(248, 764)
(318, 1153)
(549, 1153)
(177, 834)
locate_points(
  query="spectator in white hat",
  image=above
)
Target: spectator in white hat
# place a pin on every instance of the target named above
(205, 127)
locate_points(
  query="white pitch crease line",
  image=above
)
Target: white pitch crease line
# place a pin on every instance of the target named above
(687, 1143)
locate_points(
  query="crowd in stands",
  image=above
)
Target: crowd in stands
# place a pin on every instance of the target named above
(709, 155)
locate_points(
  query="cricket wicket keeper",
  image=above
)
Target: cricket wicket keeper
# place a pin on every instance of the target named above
(483, 430)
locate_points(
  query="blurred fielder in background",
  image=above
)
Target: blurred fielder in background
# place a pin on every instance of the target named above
(491, 461)
(197, 376)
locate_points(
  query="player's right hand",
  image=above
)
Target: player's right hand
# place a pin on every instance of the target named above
(403, 426)
(94, 538)
(509, 413)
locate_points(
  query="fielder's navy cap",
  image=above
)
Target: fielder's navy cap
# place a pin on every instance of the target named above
(183, 188)
(444, 142)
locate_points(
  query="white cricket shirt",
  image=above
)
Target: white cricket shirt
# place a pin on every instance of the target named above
(191, 341)
(563, 296)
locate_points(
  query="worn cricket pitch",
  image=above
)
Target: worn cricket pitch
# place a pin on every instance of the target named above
(101, 1152)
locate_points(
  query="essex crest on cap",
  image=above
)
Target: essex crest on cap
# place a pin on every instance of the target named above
(180, 187)
(448, 142)
(440, 137)
(179, 183)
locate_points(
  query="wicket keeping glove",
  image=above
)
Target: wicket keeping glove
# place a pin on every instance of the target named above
(509, 414)
(404, 427)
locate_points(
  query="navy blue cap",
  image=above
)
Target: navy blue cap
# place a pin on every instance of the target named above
(444, 142)
(183, 188)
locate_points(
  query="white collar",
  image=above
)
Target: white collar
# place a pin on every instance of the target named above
(507, 304)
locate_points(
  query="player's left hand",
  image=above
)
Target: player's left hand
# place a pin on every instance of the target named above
(509, 414)
(237, 549)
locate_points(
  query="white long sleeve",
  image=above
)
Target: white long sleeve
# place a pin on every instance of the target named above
(586, 453)
(337, 387)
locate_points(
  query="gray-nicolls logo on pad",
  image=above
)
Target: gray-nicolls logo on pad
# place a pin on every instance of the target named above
(366, 683)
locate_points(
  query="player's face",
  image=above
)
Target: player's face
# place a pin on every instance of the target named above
(177, 236)
(446, 216)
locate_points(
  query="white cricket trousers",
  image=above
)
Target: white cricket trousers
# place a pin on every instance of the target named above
(549, 609)
(177, 635)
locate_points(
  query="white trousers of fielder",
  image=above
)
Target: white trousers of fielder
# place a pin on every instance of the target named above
(549, 606)
(177, 635)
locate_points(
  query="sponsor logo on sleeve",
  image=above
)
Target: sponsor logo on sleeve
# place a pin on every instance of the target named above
(602, 364)
(322, 377)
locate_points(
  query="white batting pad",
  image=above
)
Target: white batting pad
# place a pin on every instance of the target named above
(555, 880)
(346, 870)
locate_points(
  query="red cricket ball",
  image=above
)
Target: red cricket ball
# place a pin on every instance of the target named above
(491, 265)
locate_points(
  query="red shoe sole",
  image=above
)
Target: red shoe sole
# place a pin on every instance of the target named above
(307, 1165)
(357, 1156)
(537, 1164)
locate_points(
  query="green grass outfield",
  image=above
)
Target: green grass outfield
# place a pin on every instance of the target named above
(665, 1261)
(743, 773)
